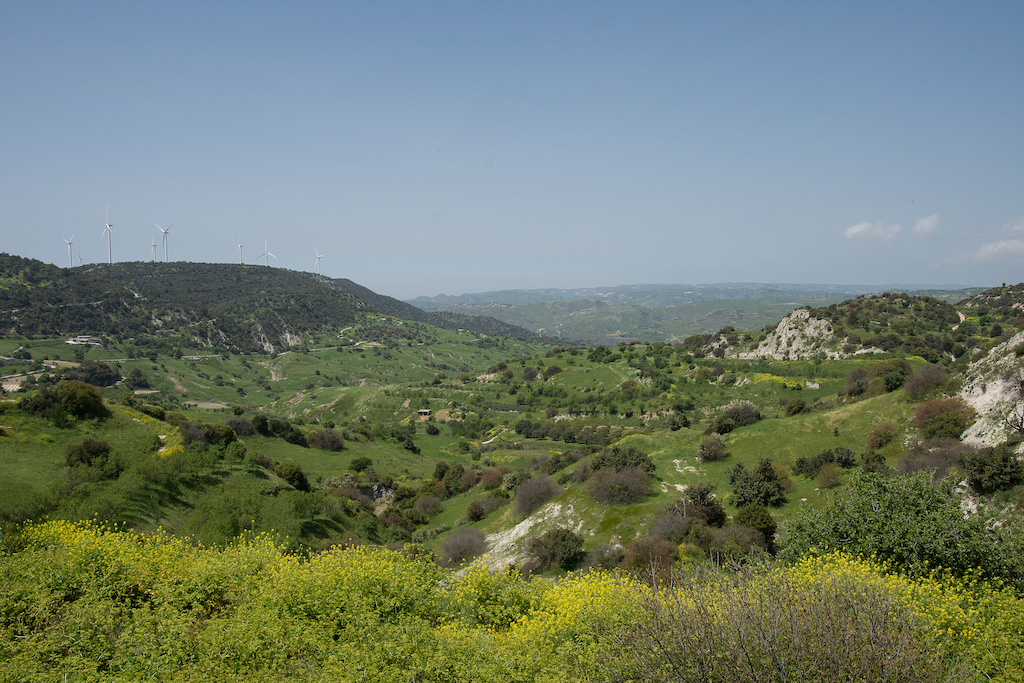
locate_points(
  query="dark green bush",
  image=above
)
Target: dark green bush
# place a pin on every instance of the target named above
(882, 435)
(327, 440)
(292, 474)
(809, 465)
(743, 414)
(712, 448)
(88, 452)
(360, 464)
(619, 488)
(533, 493)
(913, 521)
(152, 411)
(760, 518)
(993, 469)
(556, 548)
(619, 457)
(761, 486)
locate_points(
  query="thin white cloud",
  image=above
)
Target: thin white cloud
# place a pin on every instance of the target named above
(1014, 226)
(1000, 249)
(872, 231)
(927, 225)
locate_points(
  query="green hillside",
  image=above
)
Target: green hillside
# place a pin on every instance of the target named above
(238, 308)
(645, 462)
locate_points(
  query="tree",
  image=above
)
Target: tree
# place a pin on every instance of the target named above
(758, 517)
(292, 474)
(761, 486)
(360, 464)
(913, 521)
(993, 469)
(700, 502)
(81, 400)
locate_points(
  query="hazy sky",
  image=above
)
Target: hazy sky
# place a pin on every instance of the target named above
(428, 147)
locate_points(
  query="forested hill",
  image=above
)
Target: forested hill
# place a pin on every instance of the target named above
(244, 308)
(405, 311)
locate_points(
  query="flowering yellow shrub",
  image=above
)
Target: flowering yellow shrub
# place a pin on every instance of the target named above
(787, 382)
(98, 603)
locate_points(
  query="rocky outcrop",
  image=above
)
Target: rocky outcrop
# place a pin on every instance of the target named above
(799, 335)
(994, 387)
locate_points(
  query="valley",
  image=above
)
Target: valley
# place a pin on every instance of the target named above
(528, 455)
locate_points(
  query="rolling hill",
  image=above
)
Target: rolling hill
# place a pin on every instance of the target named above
(242, 308)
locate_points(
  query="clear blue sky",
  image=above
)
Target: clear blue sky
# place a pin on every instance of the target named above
(428, 147)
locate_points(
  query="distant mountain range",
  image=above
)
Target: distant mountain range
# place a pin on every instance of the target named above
(670, 313)
(660, 295)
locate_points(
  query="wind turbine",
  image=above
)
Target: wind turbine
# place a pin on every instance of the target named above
(154, 250)
(239, 251)
(71, 262)
(318, 257)
(107, 225)
(266, 253)
(165, 231)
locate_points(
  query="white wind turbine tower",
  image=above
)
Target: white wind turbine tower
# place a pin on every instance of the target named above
(239, 251)
(266, 252)
(318, 257)
(71, 262)
(107, 225)
(165, 231)
(153, 258)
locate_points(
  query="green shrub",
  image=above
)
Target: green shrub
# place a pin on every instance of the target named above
(88, 452)
(810, 465)
(993, 469)
(944, 417)
(620, 457)
(619, 488)
(533, 493)
(712, 448)
(292, 474)
(360, 463)
(915, 522)
(556, 548)
(758, 517)
(153, 411)
(881, 436)
(743, 414)
(761, 486)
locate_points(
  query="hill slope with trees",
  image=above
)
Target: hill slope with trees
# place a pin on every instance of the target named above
(243, 308)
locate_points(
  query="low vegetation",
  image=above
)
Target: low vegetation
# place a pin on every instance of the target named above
(496, 508)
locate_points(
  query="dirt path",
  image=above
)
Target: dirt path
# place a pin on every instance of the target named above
(178, 386)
